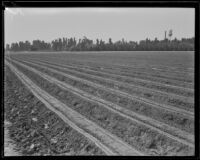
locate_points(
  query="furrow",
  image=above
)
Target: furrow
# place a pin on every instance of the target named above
(75, 119)
(133, 78)
(140, 119)
(156, 68)
(175, 72)
(133, 66)
(166, 68)
(106, 67)
(157, 74)
(139, 79)
(128, 78)
(190, 100)
(124, 94)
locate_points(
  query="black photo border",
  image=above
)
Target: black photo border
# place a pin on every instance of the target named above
(141, 3)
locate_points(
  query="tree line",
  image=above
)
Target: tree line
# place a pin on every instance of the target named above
(85, 44)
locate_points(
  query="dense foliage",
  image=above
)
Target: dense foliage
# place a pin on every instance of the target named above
(85, 44)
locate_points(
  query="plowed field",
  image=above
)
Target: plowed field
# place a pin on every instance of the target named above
(109, 103)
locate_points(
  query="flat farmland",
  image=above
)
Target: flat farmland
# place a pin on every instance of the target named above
(119, 103)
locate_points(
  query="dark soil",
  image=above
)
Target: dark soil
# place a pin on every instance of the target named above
(158, 97)
(170, 118)
(35, 129)
(130, 79)
(137, 135)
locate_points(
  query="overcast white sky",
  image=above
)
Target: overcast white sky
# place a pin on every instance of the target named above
(129, 23)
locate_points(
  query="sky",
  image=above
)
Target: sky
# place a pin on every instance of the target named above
(134, 24)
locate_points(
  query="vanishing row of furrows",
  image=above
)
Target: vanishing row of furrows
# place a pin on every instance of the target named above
(170, 132)
(99, 87)
(167, 86)
(138, 135)
(139, 76)
(175, 69)
(184, 68)
(109, 143)
(185, 80)
(183, 104)
(152, 87)
(140, 93)
(135, 68)
(133, 65)
(157, 69)
(114, 71)
(36, 129)
(172, 118)
(136, 71)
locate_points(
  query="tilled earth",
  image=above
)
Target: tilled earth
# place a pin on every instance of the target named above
(9, 146)
(144, 93)
(134, 134)
(35, 129)
(170, 118)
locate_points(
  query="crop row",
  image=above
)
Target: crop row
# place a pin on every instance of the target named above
(141, 77)
(150, 121)
(133, 68)
(160, 97)
(124, 60)
(21, 106)
(134, 92)
(86, 127)
(172, 118)
(122, 111)
(137, 135)
(133, 65)
(153, 75)
(131, 82)
(104, 73)
(166, 69)
(155, 81)
(139, 72)
(167, 87)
